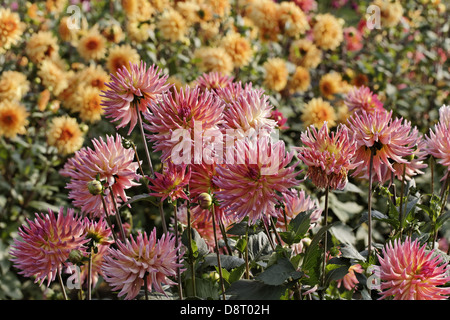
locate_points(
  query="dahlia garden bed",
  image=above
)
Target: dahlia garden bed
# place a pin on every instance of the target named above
(224, 150)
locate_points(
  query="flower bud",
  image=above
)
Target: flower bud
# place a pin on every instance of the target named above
(127, 144)
(75, 256)
(204, 200)
(95, 187)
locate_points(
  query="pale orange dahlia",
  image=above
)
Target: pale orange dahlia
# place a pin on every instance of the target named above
(317, 111)
(65, 135)
(13, 118)
(11, 29)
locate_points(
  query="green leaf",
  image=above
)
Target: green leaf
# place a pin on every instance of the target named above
(312, 261)
(227, 262)
(258, 246)
(279, 272)
(254, 290)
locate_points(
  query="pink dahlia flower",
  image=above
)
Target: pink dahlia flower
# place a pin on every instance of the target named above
(109, 162)
(438, 141)
(45, 244)
(416, 163)
(171, 182)
(390, 141)
(155, 259)
(181, 121)
(250, 110)
(329, 157)
(213, 81)
(408, 272)
(353, 39)
(248, 185)
(296, 202)
(131, 91)
(362, 98)
(350, 281)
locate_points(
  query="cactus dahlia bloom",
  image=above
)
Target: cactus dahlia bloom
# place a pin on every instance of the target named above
(390, 141)
(187, 115)
(124, 268)
(110, 162)
(250, 110)
(362, 98)
(296, 202)
(329, 157)
(408, 272)
(171, 182)
(248, 183)
(128, 88)
(213, 81)
(45, 244)
(438, 142)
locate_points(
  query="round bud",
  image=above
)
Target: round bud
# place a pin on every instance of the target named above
(204, 200)
(95, 187)
(75, 256)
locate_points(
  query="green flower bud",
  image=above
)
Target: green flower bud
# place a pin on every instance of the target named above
(204, 200)
(75, 256)
(95, 187)
(127, 144)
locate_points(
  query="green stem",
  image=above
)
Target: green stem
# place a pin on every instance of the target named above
(175, 228)
(247, 267)
(402, 193)
(89, 280)
(117, 215)
(147, 153)
(191, 257)
(163, 217)
(369, 207)
(108, 219)
(219, 265)
(325, 236)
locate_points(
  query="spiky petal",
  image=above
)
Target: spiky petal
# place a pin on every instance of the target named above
(108, 162)
(329, 156)
(147, 257)
(409, 272)
(248, 185)
(390, 140)
(131, 88)
(45, 243)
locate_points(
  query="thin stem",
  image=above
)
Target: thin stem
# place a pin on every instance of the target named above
(119, 221)
(146, 286)
(175, 228)
(163, 217)
(62, 284)
(402, 193)
(268, 235)
(191, 258)
(325, 236)
(108, 219)
(225, 238)
(89, 280)
(369, 205)
(147, 153)
(432, 174)
(247, 267)
(219, 265)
